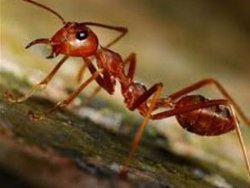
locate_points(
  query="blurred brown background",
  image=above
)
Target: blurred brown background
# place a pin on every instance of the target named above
(177, 43)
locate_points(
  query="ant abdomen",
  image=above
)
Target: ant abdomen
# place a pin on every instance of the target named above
(208, 121)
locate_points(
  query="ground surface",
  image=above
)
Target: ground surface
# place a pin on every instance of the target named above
(66, 150)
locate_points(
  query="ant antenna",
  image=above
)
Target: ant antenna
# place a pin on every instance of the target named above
(48, 9)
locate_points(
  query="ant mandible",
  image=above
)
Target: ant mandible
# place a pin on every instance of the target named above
(195, 113)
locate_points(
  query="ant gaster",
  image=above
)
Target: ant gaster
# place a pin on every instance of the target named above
(195, 113)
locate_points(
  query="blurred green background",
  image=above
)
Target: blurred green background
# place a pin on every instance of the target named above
(176, 42)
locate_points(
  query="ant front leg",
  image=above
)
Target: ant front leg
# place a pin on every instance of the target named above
(68, 100)
(41, 85)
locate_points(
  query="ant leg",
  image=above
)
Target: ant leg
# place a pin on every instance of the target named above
(219, 86)
(80, 73)
(242, 143)
(68, 100)
(40, 85)
(137, 138)
(189, 108)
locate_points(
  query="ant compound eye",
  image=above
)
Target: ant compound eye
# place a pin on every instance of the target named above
(81, 35)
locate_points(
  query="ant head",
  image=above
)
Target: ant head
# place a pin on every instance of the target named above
(73, 39)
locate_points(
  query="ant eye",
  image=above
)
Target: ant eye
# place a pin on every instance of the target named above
(81, 35)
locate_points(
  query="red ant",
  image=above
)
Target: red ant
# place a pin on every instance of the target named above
(195, 113)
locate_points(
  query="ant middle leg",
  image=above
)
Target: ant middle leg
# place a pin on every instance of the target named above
(203, 83)
(41, 85)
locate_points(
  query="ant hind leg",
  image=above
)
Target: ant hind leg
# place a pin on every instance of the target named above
(210, 103)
